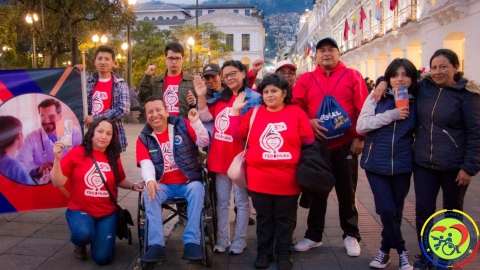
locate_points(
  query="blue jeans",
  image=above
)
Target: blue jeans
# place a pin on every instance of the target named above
(193, 192)
(389, 193)
(99, 232)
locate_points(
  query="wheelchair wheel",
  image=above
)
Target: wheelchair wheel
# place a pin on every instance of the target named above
(209, 254)
(141, 218)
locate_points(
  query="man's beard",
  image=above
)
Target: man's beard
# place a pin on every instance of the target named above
(49, 127)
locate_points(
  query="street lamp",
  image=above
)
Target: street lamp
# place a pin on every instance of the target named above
(95, 39)
(104, 39)
(129, 43)
(30, 19)
(191, 42)
(125, 46)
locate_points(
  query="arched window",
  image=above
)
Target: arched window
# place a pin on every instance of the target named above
(153, 18)
(168, 18)
(146, 19)
(174, 18)
(160, 18)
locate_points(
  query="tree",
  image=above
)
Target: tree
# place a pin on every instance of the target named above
(62, 20)
(207, 47)
(13, 54)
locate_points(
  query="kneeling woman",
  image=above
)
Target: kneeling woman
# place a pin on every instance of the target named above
(91, 214)
(274, 145)
(387, 156)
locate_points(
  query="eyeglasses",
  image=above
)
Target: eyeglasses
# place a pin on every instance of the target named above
(231, 74)
(174, 59)
(285, 74)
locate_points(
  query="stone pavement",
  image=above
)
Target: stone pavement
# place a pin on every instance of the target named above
(40, 239)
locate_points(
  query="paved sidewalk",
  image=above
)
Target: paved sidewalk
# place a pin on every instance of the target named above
(40, 239)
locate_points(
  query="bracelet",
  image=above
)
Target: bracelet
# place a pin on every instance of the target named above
(134, 184)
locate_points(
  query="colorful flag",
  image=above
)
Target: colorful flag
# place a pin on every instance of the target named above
(363, 16)
(354, 25)
(393, 4)
(345, 31)
(378, 11)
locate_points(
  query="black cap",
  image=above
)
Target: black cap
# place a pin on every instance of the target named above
(327, 40)
(211, 69)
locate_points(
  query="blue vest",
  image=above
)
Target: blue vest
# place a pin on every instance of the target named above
(388, 150)
(185, 151)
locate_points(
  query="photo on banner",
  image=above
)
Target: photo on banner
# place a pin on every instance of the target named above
(37, 109)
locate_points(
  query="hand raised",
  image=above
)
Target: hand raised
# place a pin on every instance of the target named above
(80, 67)
(239, 102)
(200, 87)
(151, 69)
(57, 150)
(191, 100)
(257, 65)
(193, 116)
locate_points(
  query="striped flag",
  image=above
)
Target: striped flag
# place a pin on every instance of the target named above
(378, 11)
(354, 25)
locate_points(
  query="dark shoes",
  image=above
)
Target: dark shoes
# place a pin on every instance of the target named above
(263, 261)
(251, 221)
(284, 261)
(423, 263)
(155, 253)
(193, 252)
(80, 253)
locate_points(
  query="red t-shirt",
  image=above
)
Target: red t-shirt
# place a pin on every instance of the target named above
(274, 149)
(224, 148)
(170, 95)
(172, 175)
(87, 192)
(102, 97)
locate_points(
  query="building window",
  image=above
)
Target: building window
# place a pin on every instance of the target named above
(211, 11)
(235, 10)
(160, 18)
(168, 18)
(245, 42)
(247, 12)
(174, 18)
(230, 40)
(153, 18)
(146, 18)
(199, 13)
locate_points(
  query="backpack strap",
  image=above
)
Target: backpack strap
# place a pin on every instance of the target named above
(311, 73)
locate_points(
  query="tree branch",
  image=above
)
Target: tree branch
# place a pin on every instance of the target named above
(84, 19)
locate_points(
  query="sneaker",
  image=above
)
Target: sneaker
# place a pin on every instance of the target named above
(422, 263)
(404, 262)
(155, 253)
(263, 261)
(238, 245)
(222, 245)
(284, 261)
(193, 252)
(80, 253)
(306, 244)
(381, 260)
(352, 246)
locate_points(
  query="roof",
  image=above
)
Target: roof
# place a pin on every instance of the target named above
(166, 22)
(218, 6)
(155, 6)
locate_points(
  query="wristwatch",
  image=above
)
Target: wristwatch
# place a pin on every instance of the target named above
(361, 138)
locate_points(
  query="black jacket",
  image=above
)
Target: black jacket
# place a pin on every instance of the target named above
(448, 126)
(314, 174)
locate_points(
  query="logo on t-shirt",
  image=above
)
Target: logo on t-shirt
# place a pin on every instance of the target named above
(94, 181)
(271, 141)
(171, 98)
(97, 102)
(168, 159)
(222, 123)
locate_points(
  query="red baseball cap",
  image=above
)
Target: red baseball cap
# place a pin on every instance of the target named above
(284, 63)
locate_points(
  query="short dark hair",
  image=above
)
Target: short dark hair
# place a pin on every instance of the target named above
(50, 102)
(175, 47)
(452, 58)
(227, 93)
(10, 127)
(277, 81)
(107, 49)
(410, 69)
(153, 98)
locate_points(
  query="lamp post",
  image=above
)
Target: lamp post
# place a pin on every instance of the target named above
(95, 39)
(129, 43)
(30, 19)
(191, 42)
(104, 39)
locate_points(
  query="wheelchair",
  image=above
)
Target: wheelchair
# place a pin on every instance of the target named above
(208, 221)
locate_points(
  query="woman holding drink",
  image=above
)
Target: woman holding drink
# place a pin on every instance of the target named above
(387, 156)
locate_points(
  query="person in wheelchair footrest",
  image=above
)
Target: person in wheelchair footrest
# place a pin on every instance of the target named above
(167, 152)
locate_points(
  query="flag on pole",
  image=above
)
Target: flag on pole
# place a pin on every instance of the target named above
(345, 31)
(363, 16)
(393, 4)
(354, 25)
(378, 11)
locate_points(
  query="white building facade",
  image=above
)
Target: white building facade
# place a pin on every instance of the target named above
(415, 29)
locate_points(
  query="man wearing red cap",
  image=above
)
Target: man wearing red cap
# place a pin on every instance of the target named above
(286, 70)
(350, 93)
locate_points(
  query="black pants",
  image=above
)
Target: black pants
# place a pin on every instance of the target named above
(389, 192)
(276, 216)
(141, 110)
(427, 183)
(345, 169)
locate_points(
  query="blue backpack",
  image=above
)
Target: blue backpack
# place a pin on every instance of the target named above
(334, 117)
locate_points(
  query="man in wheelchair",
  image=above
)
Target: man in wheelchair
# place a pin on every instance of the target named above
(167, 152)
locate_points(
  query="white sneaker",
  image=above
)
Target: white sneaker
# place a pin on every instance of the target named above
(306, 244)
(238, 245)
(352, 246)
(405, 262)
(222, 245)
(381, 260)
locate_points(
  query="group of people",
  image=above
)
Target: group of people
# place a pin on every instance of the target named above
(276, 122)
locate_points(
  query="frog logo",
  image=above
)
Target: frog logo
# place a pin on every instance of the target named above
(449, 238)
